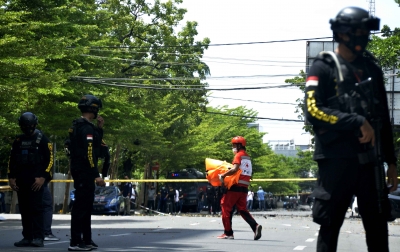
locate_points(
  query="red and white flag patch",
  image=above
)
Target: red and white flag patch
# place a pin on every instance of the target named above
(89, 137)
(312, 81)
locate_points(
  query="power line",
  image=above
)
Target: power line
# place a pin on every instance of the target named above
(142, 86)
(205, 45)
(252, 117)
(287, 103)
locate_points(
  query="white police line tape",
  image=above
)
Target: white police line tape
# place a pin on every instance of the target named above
(148, 208)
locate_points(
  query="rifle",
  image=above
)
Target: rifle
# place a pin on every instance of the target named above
(369, 153)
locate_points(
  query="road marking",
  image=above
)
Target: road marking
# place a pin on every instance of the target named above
(121, 234)
(305, 227)
(310, 240)
(194, 224)
(299, 248)
(159, 229)
(288, 225)
(316, 234)
(45, 243)
(349, 232)
(213, 220)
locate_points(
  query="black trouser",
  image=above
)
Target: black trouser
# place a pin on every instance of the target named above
(338, 181)
(210, 204)
(31, 208)
(81, 211)
(150, 204)
(171, 204)
(47, 210)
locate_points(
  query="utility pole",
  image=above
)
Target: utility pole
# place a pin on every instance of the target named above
(372, 7)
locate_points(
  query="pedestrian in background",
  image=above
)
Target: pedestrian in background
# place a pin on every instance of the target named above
(250, 196)
(85, 143)
(346, 102)
(126, 193)
(260, 195)
(176, 200)
(200, 200)
(163, 200)
(181, 199)
(210, 194)
(29, 167)
(151, 196)
(133, 198)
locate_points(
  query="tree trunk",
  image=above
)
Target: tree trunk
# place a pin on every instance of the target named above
(143, 187)
(114, 164)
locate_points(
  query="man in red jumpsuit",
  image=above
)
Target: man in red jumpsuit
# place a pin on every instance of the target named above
(237, 194)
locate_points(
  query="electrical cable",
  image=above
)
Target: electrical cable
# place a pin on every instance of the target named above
(252, 100)
(253, 117)
(222, 44)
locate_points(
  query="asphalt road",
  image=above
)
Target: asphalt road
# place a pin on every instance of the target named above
(282, 231)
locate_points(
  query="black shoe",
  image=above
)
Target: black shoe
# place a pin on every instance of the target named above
(37, 242)
(23, 243)
(79, 247)
(91, 245)
(257, 233)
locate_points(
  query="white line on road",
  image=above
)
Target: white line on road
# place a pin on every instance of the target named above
(299, 248)
(305, 227)
(194, 224)
(288, 225)
(349, 232)
(159, 229)
(121, 234)
(213, 220)
(45, 243)
(310, 240)
(316, 234)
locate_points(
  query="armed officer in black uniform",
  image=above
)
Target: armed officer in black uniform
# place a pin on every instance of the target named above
(29, 167)
(85, 142)
(342, 114)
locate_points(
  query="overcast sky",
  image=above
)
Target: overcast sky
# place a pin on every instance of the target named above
(235, 21)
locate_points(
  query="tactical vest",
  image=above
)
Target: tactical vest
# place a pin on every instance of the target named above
(28, 153)
(349, 98)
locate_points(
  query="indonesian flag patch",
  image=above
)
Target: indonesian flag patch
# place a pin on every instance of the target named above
(312, 81)
(89, 137)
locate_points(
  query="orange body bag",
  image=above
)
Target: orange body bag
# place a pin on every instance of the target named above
(215, 167)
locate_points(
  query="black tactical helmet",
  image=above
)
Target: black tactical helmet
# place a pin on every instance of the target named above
(90, 103)
(28, 122)
(351, 18)
(348, 21)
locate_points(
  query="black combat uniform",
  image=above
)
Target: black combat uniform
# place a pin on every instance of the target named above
(338, 151)
(31, 157)
(85, 148)
(210, 194)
